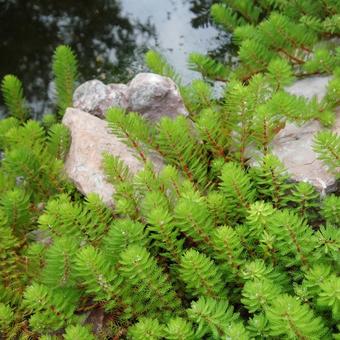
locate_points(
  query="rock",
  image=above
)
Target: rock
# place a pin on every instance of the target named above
(293, 144)
(155, 96)
(150, 94)
(90, 138)
(95, 97)
(309, 87)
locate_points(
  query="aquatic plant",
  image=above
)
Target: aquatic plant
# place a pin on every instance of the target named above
(206, 248)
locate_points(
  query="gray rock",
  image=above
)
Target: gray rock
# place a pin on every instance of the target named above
(310, 87)
(150, 94)
(155, 96)
(293, 144)
(95, 97)
(90, 138)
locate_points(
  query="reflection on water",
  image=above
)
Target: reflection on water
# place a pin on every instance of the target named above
(109, 37)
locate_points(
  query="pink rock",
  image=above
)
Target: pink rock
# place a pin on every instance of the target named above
(90, 138)
(294, 144)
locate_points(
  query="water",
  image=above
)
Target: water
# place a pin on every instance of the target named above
(109, 37)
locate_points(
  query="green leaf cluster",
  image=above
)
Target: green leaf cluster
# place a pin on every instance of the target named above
(211, 246)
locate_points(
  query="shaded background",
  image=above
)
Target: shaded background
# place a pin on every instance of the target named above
(109, 37)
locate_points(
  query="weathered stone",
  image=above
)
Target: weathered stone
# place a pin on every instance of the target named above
(293, 144)
(90, 138)
(310, 87)
(150, 94)
(95, 97)
(155, 96)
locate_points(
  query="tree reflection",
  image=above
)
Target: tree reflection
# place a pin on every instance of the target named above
(201, 9)
(104, 40)
(109, 44)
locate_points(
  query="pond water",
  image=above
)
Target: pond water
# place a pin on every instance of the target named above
(109, 37)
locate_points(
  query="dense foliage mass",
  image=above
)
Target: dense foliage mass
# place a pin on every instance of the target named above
(206, 249)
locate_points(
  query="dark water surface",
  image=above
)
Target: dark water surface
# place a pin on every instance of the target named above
(109, 37)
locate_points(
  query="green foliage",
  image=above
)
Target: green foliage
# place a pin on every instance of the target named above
(78, 332)
(212, 316)
(115, 169)
(97, 276)
(297, 236)
(198, 96)
(15, 205)
(28, 162)
(329, 296)
(151, 286)
(331, 99)
(49, 119)
(6, 317)
(130, 128)
(51, 309)
(287, 317)
(12, 91)
(228, 250)
(272, 29)
(280, 73)
(322, 62)
(59, 259)
(208, 67)
(159, 65)
(246, 9)
(122, 234)
(292, 107)
(237, 188)
(259, 270)
(201, 276)
(146, 329)
(65, 73)
(118, 174)
(327, 146)
(329, 242)
(236, 330)
(271, 180)
(193, 218)
(259, 294)
(162, 230)
(225, 16)
(179, 329)
(258, 326)
(176, 139)
(305, 198)
(63, 217)
(331, 209)
(11, 279)
(58, 141)
(7, 125)
(211, 246)
(209, 124)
